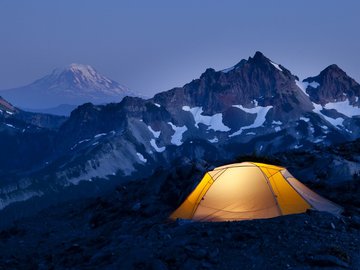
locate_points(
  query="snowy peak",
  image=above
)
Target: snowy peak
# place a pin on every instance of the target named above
(332, 85)
(72, 85)
(259, 60)
(79, 76)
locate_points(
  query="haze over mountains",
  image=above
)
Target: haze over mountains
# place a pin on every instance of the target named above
(255, 107)
(62, 90)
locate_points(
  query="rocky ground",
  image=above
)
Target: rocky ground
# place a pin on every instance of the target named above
(129, 229)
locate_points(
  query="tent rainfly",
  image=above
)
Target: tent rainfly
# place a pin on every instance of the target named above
(248, 190)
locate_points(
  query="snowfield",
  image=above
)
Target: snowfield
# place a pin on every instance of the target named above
(213, 122)
(260, 119)
(177, 137)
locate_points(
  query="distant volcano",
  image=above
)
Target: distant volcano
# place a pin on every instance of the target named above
(73, 85)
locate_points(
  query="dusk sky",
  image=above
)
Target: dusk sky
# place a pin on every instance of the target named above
(152, 46)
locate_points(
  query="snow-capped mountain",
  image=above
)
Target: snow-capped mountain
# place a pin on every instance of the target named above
(73, 85)
(256, 106)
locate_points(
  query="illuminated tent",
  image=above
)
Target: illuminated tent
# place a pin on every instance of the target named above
(249, 190)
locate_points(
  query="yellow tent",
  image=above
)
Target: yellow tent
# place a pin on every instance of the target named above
(250, 190)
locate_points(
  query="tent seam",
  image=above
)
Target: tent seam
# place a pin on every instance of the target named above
(196, 206)
(267, 180)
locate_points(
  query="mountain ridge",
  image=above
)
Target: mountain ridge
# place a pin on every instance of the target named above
(256, 107)
(74, 84)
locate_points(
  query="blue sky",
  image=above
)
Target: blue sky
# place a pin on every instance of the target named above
(152, 46)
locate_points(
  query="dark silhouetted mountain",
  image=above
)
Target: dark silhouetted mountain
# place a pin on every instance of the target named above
(73, 85)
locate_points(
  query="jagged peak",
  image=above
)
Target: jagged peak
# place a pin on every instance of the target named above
(332, 71)
(259, 55)
(260, 58)
(208, 72)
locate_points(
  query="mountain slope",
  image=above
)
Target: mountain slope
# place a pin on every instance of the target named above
(335, 97)
(73, 85)
(255, 107)
(26, 141)
(128, 228)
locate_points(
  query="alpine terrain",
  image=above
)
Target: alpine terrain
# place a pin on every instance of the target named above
(140, 158)
(62, 90)
(255, 107)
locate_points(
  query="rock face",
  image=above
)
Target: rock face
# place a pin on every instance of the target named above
(255, 107)
(73, 85)
(26, 141)
(333, 85)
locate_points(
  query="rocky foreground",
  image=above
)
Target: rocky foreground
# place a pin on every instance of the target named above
(129, 229)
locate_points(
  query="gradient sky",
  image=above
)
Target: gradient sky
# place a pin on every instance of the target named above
(152, 46)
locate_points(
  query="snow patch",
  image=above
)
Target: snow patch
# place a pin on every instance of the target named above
(157, 149)
(156, 134)
(251, 133)
(213, 122)
(344, 108)
(141, 157)
(302, 86)
(79, 142)
(314, 84)
(318, 140)
(100, 135)
(298, 146)
(312, 130)
(276, 66)
(177, 137)
(276, 122)
(277, 129)
(226, 70)
(10, 125)
(337, 122)
(260, 119)
(11, 113)
(157, 105)
(305, 119)
(214, 140)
